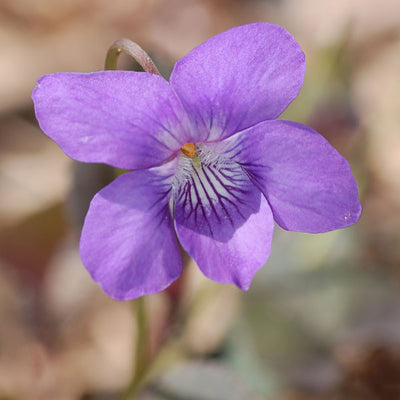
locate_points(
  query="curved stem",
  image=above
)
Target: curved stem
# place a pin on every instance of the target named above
(140, 358)
(131, 49)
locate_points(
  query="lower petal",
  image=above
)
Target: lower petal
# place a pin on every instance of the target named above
(308, 184)
(128, 243)
(224, 223)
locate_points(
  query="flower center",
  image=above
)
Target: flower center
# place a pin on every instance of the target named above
(189, 149)
(196, 156)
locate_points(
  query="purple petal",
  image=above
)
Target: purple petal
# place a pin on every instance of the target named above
(128, 242)
(308, 184)
(238, 78)
(122, 118)
(224, 223)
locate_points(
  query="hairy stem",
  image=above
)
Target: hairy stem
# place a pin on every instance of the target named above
(140, 356)
(131, 49)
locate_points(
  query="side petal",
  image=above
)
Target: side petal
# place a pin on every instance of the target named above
(123, 118)
(224, 223)
(308, 184)
(128, 242)
(238, 78)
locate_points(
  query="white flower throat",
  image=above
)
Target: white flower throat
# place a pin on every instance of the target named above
(209, 191)
(195, 156)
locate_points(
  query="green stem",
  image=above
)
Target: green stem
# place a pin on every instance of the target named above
(131, 49)
(140, 357)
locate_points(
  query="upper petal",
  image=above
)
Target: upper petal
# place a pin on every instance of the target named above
(238, 78)
(308, 184)
(128, 242)
(224, 223)
(122, 118)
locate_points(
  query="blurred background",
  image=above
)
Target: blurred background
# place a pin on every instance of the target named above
(321, 320)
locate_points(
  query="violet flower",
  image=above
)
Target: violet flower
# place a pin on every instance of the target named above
(212, 167)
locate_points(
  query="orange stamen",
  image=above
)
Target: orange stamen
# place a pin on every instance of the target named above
(189, 149)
